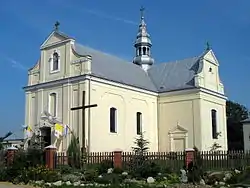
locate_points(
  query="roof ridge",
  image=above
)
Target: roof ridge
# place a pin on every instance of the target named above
(178, 61)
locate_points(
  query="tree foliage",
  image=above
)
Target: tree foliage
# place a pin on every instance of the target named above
(3, 138)
(74, 152)
(141, 166)
(236, 113)
(141, 145)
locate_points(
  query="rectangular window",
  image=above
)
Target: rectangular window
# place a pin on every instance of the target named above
(113, 120)
(214, 124)
(138, 123)
(53, 104)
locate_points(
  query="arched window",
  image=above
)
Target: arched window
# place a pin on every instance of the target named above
(138, 123)
(139, 51)
(214, 124)
(52, 104)
(54, 62)
(113, 120)
(144, 50)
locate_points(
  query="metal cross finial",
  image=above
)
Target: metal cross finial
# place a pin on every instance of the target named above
(57, 25)
(142, 9)
(208, 46)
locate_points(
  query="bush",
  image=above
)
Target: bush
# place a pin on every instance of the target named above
(91, 175)
(15, 175)
(65, 169)
(110, 179)
(3, 174)
(117, 170)
(104, 166)
(145, 170)
(37, 173)
(243, 177)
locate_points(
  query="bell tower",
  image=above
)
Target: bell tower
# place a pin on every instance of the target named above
(143, 46)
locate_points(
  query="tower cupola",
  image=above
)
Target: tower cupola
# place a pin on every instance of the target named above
(143, 45)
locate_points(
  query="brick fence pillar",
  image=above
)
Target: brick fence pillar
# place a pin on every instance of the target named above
(189, 157)
(117, 159)
(50, 156)
(10, 154)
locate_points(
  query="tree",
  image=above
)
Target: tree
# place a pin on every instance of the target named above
(74, 152)
(141, 145)
(236, 113)
(3, 138)
(141, 165)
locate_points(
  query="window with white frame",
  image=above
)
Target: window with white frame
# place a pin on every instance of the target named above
(113, 120)
(214, 124)
(138, 123)
(53, 104)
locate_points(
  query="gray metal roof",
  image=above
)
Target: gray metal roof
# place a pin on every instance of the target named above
(161, 77)
(246, 121)
(174, 75)
(115, 69)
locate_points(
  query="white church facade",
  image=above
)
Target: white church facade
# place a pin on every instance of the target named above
(176, 105)
(246, 134)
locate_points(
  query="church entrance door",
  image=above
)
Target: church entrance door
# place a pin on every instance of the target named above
(46, 136)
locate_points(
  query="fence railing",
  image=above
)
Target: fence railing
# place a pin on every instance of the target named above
(219, 160)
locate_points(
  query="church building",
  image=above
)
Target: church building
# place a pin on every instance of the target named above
(176, 105)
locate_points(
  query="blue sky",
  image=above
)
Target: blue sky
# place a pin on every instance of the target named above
(179, 29)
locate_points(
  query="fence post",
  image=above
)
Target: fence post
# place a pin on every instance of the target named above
(118, 158)
(50, 159)
(189, 156)
(10, 154)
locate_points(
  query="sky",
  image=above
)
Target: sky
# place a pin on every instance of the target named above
(179, 29)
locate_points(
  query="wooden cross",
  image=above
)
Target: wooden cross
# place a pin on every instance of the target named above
(83, 107)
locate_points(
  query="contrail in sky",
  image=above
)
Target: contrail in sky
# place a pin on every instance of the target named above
(16, 64)
(102, 15)
(93, 12)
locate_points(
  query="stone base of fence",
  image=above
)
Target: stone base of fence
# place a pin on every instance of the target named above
(189, 157)
(11, 154)
(117, 159)
(50, 157)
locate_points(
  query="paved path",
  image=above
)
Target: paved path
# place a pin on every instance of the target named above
(10, 185)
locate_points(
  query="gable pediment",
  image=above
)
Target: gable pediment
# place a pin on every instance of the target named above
(36, 68)
(54, 38)
(210, 56)
(178, 130)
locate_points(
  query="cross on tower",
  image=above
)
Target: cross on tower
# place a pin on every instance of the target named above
(57, 25)
(142, 9)
(83, 107)
(208, 46)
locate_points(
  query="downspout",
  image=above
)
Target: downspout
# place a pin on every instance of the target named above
(89, 115)
(158, 121)
(194, 144)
